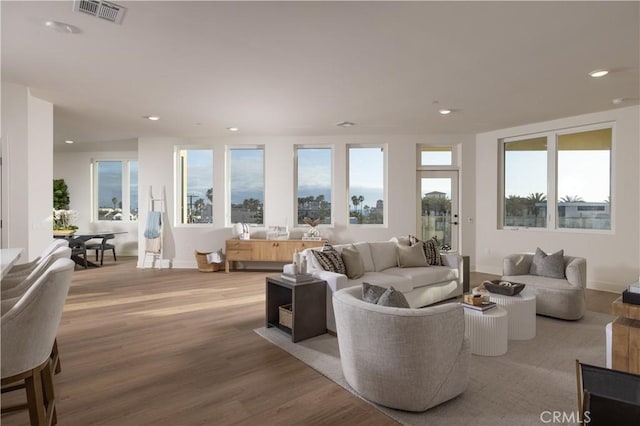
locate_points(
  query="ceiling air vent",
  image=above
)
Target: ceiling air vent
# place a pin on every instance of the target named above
(100, 9)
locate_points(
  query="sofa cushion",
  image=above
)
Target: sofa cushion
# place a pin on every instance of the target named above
(371, 293)
(420, 277)
(383, 296)
(352, 262)
(365, 253)
(383, 254)
(330, 260)
(534, 282)
(410, 256)
(548, 265)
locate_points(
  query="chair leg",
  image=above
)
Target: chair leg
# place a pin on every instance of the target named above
(114, 254)
(55, 358)
(97, 254)
(35, 401)
(49, 395)
(101, 257)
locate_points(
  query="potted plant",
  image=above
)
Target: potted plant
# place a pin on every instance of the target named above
(62, 216)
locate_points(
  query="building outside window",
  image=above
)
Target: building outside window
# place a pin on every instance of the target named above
(246, 184)
(313, 184)
(115, 190)
(195, 185)
(367, 177)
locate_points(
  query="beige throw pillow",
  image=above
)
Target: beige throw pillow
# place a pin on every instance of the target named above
(353, 262)
(411, 256)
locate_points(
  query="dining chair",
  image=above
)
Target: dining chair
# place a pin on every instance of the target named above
(79, 251)
(24, 269)
(102, 246)
(28, 332)
(16, 287)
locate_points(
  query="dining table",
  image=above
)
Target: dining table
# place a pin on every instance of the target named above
(80, 238)
(8, 257)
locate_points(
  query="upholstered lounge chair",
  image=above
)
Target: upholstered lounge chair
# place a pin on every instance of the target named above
(555, 297)
(403, 358)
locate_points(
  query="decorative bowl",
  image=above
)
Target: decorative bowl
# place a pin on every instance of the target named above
(506, 288)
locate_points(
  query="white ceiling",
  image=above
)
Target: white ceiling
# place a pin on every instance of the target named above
(298, 68)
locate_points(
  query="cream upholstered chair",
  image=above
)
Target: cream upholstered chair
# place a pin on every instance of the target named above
(21, 270)
(28, 332)
(17, 286)
(403, 358)
(562, 298)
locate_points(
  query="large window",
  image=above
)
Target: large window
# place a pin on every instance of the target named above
(195, 186)
(116, 190)
(313, 183)
(246, 184)
(366, 184)
(559, 180)
(436, 156)
(525, 183)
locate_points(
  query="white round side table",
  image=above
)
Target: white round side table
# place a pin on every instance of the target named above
(521, 310)
(487, 331)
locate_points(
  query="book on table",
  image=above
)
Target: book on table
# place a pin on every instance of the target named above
(297, 278)
(484, 307)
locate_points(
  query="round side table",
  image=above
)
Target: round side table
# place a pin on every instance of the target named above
(487, 331)
(521, 310)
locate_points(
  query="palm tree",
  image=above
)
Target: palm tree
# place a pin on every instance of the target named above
(571, 199)
(355, 202)
(533, 199)
(114, 200)
(210, 194)
(360, 200)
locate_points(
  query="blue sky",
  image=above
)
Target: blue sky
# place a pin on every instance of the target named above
(110, 183)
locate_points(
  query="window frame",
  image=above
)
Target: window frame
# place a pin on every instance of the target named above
(552, 179)
(177, 193)
(385, 182)
(296, 148)
(227, 189)
(126, 187)
(454, 148)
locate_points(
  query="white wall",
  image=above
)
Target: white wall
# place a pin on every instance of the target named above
(156, 161)
(27, 146)
(75, 169)
(612, 257)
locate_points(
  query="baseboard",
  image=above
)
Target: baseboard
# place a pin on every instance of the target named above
(609, 287)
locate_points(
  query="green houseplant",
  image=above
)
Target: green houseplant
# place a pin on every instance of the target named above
(60, 195)
(62, 216)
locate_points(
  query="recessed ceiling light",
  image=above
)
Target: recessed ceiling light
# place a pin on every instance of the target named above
(233, 129)
(346, 124)
(445, 111)
(617, 101)
(598, 73)
(61, 27)
(151, 117)
(69, 142)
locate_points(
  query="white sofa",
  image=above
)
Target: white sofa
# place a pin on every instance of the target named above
(421, 286)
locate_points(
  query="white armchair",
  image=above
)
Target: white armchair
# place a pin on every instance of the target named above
(555, 297)
(24, 269)
(28, 334)
(403, 358)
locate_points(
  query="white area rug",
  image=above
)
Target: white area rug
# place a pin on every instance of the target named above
(535, 376)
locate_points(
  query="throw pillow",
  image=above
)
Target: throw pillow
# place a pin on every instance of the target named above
(393, 298)
(330, 260)
(352, 262)
(548, 265)
(432, 253)
(410, 256)
(371, 293)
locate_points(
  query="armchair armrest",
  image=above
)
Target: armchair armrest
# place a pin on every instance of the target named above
(517, 264)
(576, 271)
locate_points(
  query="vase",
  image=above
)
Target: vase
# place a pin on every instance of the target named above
(63, 232)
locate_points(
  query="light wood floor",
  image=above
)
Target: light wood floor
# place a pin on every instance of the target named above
(177, 347)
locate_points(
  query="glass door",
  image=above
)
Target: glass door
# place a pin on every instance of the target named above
(438, 208)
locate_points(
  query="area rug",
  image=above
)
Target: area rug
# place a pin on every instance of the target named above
(529, 384)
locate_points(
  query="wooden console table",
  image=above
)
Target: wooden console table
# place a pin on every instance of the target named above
(264, 250)
(626, 337)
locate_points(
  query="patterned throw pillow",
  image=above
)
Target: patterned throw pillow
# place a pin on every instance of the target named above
(432, 253)
(330, 260)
